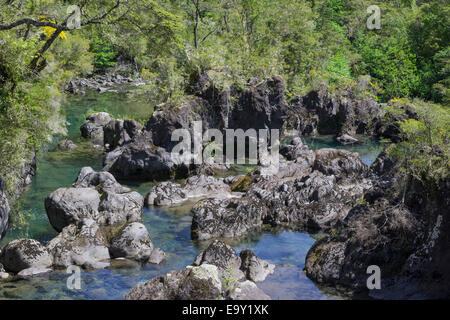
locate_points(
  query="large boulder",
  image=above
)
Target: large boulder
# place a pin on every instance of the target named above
(24, 254)
(191, 283)
(95, 195)
(84, 245)
(224, 257)
(133, 242)
(246, 266)
(323, 112)
(120, 132)
(70, 205)
(92, 129)
(142, 160)
(102, 181)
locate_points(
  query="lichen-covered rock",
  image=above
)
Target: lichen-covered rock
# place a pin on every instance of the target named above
(213, 218)
(92, 129)
(196, 187)
(401, 229)
(254, 268)
(95, 195)
(164, 287)
(101, 181)
(157, 256)
(84, 245)
(33, 272)
(215, 274)
(24, 254)
(133, 242)
(325, 265)
(297, 198)
(165, 194)
(224, 257)
(202, 283)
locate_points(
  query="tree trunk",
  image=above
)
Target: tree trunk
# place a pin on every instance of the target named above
(34, 63)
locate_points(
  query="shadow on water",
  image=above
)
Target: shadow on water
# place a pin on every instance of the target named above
(169, 228)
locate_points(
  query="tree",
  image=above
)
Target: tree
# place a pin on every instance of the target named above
(53, 15)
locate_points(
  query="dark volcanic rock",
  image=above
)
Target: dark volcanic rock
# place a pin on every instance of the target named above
(314, 192)
(262, 106)
(321, 112)
(147, 156)
(141, 160)
(408, 240)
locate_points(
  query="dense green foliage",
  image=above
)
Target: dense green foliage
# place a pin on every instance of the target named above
(424, 152)
(168, 41)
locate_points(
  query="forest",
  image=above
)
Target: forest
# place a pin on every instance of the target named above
(167, 42)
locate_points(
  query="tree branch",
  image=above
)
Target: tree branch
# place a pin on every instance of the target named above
(28, 21)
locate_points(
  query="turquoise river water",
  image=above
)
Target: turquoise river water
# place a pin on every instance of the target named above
(169, 228)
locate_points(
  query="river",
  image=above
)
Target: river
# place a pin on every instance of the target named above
(169, 228)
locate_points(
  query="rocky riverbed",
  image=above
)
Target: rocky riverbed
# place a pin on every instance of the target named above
(98, 221)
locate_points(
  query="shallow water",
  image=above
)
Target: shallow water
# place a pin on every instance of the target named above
(368, 150)
(169, 228)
